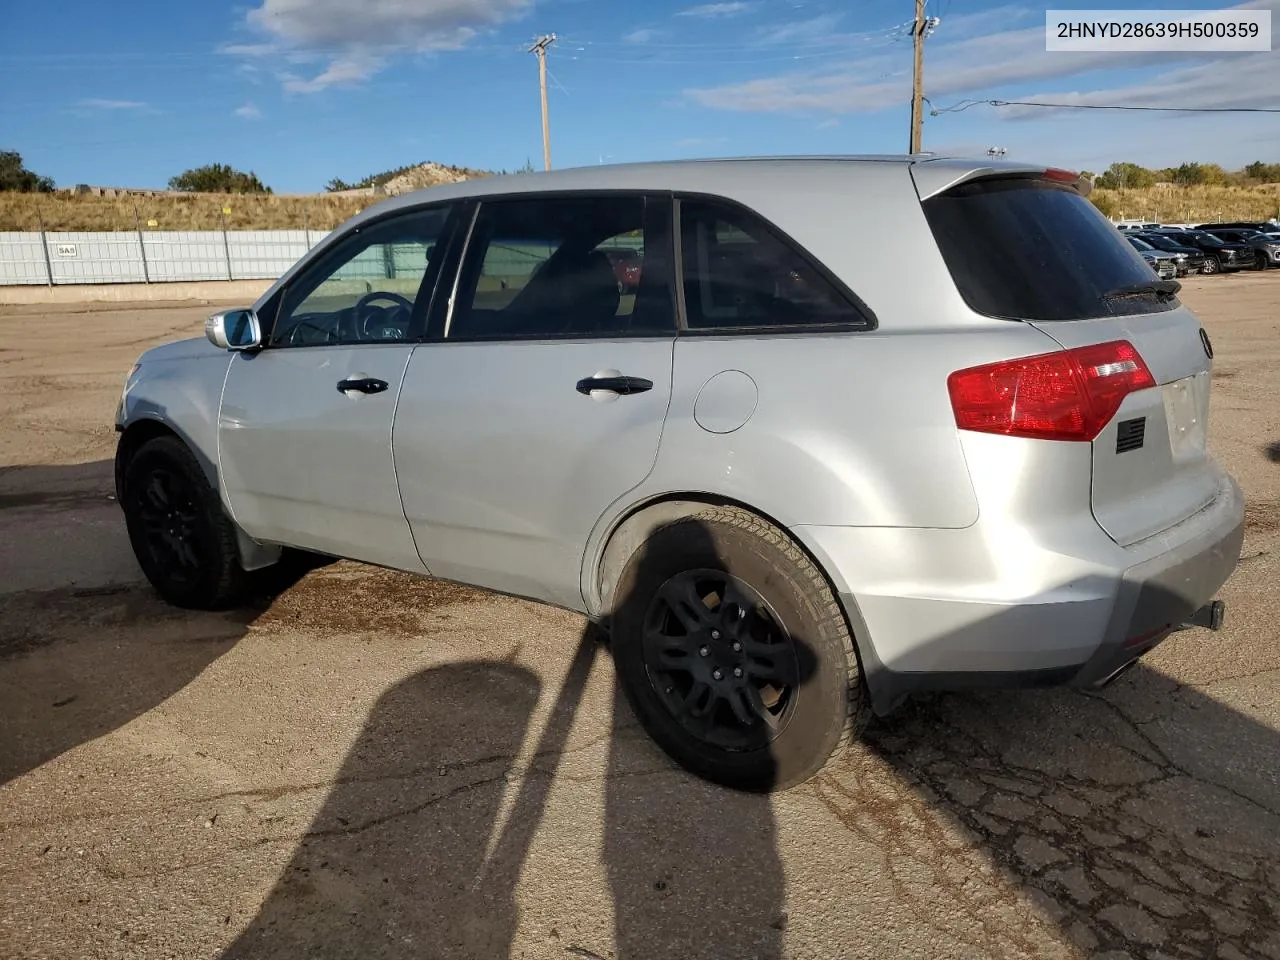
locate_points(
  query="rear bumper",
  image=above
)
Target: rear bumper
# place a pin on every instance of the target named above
(1021, 613)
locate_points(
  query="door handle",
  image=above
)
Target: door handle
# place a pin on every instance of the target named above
(620, 384)
(362, 385)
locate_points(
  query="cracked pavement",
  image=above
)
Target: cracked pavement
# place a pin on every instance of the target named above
(364, 764)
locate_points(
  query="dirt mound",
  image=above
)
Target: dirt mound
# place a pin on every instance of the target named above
(430, 175)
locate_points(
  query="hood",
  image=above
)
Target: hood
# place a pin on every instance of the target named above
(180, 350)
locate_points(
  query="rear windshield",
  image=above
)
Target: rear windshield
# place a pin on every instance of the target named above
(1026, 249)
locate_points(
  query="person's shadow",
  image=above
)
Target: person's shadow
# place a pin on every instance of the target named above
(1141, 818)
(421, 841)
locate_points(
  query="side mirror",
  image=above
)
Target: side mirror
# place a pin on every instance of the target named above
(234, 330)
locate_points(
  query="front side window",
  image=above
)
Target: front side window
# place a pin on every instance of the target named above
(584, 266)
(370, 289)
(739, 273)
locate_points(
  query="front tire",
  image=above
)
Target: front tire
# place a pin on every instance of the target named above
(182, 538)
(734, 654)
(1261, 261)
(1210, 265)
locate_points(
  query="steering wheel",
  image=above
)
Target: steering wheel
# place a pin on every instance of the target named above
(363, 314)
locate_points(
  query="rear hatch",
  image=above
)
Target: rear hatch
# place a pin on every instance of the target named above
(1030, 247)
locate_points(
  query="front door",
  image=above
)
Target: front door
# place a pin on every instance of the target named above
(545, 398)
(304, 428)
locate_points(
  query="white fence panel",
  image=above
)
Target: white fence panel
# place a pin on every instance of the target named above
(95, 258)
(185, 255)
(21, 259)
(154, 256)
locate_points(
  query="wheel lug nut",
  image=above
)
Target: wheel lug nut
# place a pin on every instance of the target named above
(737, 672)
(717, 675)
(715, 634)
(703, 651)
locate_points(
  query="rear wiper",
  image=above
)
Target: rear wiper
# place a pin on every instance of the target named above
(1161, 289)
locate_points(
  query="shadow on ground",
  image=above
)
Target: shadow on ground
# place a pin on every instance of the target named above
(88, 656)
(421, 842)
(1144, 818)
(1272, 451)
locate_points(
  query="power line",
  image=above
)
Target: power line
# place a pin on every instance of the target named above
(964, 105)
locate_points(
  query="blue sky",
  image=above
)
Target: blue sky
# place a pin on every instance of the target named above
(304, 90)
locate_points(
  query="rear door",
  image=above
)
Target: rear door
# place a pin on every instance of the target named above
(542, 400)
(1035, 250)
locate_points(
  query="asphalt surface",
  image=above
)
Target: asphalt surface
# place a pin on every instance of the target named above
(366, 765)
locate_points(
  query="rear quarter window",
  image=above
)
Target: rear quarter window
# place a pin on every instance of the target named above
(1022, 248)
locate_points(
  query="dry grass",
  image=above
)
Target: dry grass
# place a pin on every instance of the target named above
(1171, 204)
(24, 211)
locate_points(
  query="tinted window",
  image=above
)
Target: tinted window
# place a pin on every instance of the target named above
(1163, 243)
(566, 266)
(740, 273)
(1208, 238)
(367, 289)
(1028, 249)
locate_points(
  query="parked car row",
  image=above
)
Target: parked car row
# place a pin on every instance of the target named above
(1207, 247)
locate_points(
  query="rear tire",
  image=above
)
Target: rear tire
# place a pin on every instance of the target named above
(1261, 261)
(181, 536)
(749, 604)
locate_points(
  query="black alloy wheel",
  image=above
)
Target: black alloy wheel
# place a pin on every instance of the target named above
(173, 530)
(720, 660)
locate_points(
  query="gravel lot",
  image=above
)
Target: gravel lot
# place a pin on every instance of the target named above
(368, 765)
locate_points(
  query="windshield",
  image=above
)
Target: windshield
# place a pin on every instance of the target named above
(1163, 243)
(1140, 243)
(1020, 248)
(1208, 238)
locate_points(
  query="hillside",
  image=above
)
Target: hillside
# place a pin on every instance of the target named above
(60, 211)
(1176, 204)
(415, 176)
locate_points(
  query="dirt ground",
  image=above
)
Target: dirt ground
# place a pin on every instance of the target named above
(372, 766)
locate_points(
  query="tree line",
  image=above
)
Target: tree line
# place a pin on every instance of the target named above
(1133, 176)
(223, 178)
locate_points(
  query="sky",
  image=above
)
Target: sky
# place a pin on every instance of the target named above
(302, 91)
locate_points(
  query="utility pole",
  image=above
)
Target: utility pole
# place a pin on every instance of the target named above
(540, 48)
(921, 27)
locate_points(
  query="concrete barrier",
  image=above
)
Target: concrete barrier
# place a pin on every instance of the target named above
(242, 292)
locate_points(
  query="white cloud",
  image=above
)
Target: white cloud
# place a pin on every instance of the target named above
(356, 40)
(248, 112)
(99, 104)
(641, 36)
(821, 28)
(980, 56)
(710, 11)
(354, 67)
(829, 123)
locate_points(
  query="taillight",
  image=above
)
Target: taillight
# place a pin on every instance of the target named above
(1069, 395)
(1063, 176)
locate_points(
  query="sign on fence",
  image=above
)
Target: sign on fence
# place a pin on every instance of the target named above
(68, 250)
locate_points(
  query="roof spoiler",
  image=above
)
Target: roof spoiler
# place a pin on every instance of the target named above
(933, 177)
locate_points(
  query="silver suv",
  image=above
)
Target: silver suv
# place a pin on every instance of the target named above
(846, 429)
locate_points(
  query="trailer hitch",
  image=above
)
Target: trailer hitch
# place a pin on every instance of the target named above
(1210, 616)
